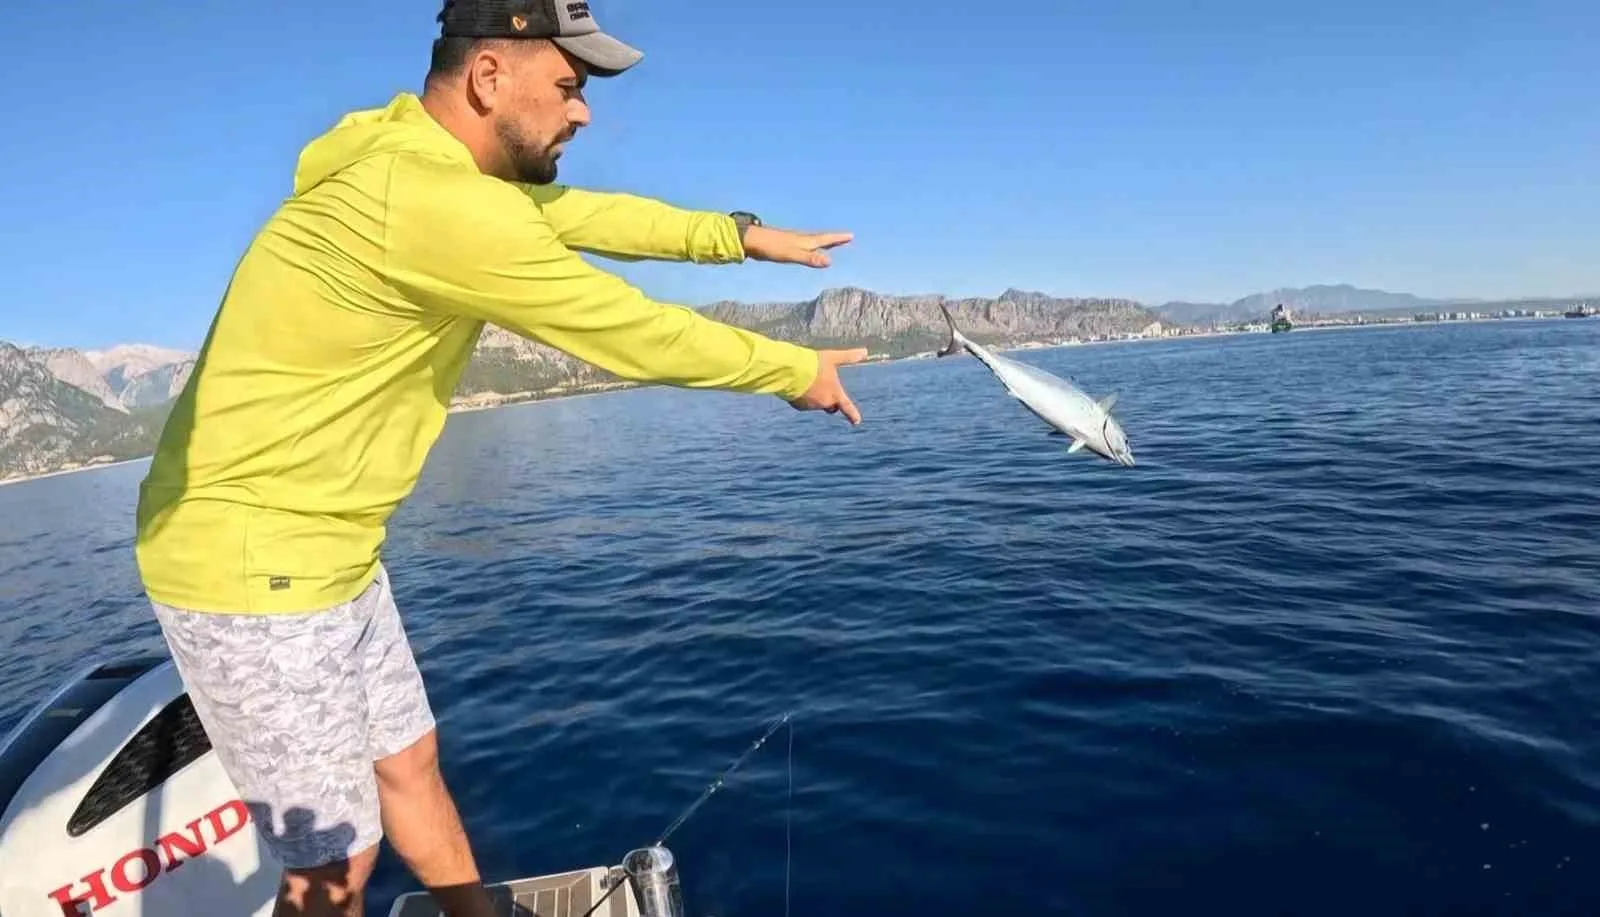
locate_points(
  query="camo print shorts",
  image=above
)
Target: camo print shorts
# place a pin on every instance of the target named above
(298, 707)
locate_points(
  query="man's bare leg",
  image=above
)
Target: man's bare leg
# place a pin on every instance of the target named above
(335, 890)
(423, 826)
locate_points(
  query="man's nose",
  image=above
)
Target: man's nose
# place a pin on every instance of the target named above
(578, 113)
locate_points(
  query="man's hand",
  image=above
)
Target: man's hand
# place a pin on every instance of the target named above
(763, 243)
(827, 392)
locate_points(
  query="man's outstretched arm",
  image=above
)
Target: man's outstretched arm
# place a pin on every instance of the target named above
(630, 228)
(474, 246)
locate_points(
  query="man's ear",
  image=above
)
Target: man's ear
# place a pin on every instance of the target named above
(485, 71)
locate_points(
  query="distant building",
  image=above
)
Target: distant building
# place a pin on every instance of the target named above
(1280, 319)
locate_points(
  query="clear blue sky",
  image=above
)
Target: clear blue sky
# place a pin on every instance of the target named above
(1156, 150)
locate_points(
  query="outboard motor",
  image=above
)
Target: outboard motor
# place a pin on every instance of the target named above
(113, 802)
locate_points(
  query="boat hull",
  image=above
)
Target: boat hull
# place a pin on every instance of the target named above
(111, 796)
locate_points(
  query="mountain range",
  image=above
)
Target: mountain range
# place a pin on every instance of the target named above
(55, 414)
(1334, 301)
(62, 408)
(1321, 299)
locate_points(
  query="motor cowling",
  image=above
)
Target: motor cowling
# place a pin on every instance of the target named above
(112, 801)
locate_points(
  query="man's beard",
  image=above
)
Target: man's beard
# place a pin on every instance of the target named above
(531, 165)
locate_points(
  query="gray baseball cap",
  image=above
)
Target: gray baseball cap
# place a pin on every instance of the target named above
(568, 23)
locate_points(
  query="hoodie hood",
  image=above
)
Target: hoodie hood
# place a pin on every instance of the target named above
(402, 126)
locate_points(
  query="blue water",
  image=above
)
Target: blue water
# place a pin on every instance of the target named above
(1332, 647)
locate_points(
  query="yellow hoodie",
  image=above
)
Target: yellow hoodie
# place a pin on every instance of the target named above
(326, 375)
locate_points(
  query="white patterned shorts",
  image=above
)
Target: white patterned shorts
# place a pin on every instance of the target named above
(298, 707)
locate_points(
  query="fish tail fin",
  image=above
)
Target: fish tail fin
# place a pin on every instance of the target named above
(955, 346)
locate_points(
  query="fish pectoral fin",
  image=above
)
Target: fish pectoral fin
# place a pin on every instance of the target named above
(1108, 401)
(1076, 445)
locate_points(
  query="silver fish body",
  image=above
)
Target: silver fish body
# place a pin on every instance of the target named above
(1059, 403)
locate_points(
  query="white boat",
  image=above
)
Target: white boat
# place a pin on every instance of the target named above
(113, 802)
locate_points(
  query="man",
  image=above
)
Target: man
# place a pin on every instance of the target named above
(323, 383)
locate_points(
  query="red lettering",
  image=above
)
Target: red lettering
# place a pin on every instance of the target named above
(226, 820)
(98, 897)
(152, 870)
(192, 845)
(241, 813)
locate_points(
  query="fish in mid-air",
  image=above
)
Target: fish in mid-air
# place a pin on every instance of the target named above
(1059, 403)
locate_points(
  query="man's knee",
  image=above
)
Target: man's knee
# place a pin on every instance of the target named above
(415, 765)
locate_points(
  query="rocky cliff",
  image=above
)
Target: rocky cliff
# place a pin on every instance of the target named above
(156, 386)
(891, 326)
(75, 369)
(47, 425)
(903, 325)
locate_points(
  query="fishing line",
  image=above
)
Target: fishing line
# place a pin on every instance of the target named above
(712, 789)
(717, 783)
(788, 827)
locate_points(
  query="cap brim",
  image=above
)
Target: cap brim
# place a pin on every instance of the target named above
(604, 55)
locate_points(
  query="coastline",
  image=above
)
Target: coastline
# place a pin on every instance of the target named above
(489, 401)
(59, 472)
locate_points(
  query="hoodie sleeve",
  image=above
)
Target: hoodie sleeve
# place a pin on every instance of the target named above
(630, 227)
(463, 243)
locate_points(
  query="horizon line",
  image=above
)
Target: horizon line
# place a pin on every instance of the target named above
(1424, 300)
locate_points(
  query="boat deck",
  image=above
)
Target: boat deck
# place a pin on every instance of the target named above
(568, 894)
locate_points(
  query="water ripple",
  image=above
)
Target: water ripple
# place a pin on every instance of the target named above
(1339, 624)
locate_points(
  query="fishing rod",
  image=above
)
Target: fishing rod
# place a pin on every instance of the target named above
(652, 869)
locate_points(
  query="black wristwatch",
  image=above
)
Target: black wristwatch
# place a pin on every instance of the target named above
(744, 220)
